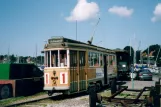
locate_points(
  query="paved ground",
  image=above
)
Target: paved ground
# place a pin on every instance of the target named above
(141, 84)
(83, 101)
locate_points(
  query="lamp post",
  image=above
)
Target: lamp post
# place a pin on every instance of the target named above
(134, 60)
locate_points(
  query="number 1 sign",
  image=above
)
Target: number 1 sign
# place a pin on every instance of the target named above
(63, 78)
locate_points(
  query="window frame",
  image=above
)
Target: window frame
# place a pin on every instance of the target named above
(91, 62)
(48, 59)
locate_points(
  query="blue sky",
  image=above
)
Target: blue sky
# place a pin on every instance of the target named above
(27, 23)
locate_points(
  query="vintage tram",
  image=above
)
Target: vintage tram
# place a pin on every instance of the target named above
(72, 66)
(123, 64)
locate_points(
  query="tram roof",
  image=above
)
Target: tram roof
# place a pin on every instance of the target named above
(61, 42)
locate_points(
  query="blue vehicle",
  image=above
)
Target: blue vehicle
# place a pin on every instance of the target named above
(144, 74)
(41, 67)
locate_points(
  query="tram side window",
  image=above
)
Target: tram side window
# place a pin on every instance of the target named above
(73, 58)
(63, 58)
(107, 60)
(93, 59)
(89, 59)
(82, 58)
(114, 60)
(101, 60)
(110, 60)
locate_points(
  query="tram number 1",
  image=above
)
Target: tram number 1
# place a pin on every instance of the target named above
(46, 79)
(63, 78)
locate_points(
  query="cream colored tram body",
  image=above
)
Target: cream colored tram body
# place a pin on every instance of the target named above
(71, 66)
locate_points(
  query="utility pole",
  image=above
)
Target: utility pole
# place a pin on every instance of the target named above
(134, 60)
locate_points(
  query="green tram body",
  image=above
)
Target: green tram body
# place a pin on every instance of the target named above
(84, 64)
(20, 80)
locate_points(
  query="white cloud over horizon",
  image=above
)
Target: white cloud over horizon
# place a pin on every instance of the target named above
(121, 11)
(157, 13)
(83, 11)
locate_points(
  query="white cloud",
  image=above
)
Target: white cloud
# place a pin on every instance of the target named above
(157, 13)
(121, 11)
(83, 11)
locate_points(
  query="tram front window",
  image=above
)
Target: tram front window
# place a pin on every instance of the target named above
(54, 58)
(63, 58)
(58, 58)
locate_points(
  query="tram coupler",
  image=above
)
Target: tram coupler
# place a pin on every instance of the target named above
(50, 93)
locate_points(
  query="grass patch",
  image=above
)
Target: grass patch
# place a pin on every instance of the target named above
(124, 94)
(84, 98)
(106, 93)
(13, 100)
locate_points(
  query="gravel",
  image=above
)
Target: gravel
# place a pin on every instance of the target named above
(83, 101)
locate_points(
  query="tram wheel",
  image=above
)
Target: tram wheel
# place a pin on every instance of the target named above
(5, 91)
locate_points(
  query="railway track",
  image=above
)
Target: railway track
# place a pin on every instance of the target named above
(32, 100)
(44, 100)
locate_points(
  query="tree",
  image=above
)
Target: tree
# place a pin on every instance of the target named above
(40, 59)
(153, 50)
(12, 59)
(1, 57)
(127, 48)
(138, 56)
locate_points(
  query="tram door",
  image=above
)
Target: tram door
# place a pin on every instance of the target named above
(105, 69)
(73, 71)
(82, 76)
